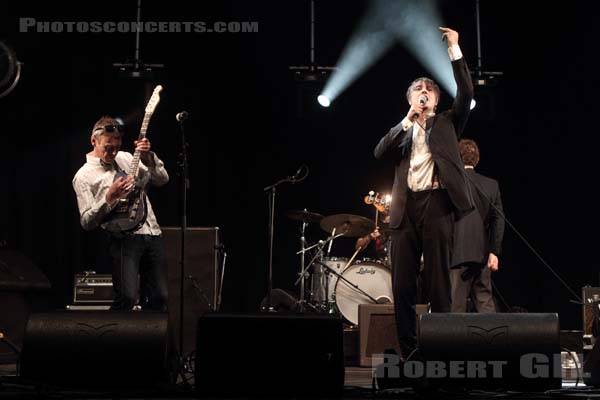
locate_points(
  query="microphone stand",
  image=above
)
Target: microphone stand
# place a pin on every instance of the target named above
(272, 190)
(185, 185)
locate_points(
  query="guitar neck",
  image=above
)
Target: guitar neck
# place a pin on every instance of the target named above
(135, 162)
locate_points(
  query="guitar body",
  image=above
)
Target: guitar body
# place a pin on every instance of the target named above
(130, 213)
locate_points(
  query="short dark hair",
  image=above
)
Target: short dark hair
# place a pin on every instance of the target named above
(469, 152)
(428, 82)
(101, 123)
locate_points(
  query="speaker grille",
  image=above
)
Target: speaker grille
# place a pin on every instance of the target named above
(96, 349)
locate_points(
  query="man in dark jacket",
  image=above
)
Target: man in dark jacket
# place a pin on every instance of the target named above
(429, 192)
(477, 239)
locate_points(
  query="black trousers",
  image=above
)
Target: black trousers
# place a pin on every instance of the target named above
(426, 229)
(474, 282)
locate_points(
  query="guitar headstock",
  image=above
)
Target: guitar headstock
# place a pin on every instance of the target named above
(154, 99)
(381, 202)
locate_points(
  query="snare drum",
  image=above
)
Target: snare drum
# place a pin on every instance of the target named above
(323, 281)
(372, 278)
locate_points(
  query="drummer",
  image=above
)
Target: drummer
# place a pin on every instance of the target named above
(375, 244)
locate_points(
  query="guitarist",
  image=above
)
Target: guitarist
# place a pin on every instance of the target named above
(141, 253)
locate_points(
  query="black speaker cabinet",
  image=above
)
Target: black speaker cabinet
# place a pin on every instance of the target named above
(201, 280)
(23, 289)
(96, 349)
(269, 354)
(492, 350)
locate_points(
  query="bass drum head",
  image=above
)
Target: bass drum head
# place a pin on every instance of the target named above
(372, 278)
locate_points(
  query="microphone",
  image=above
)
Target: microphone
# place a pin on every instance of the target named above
(298, 172)
(422, 101)
(182, 116)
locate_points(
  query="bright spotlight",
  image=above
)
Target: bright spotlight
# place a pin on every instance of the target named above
(473, 104)
(324, 100)
(412, 22)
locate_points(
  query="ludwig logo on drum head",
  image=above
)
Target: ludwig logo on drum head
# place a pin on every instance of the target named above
(363, 270)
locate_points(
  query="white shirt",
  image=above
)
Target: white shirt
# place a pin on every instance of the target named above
(92, 181)
(420, 173)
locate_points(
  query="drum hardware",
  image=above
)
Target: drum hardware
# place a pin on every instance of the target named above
(322, 282)
(320, 244)
(331, 242)
(348, 224)
(305, 217)
(338, 285)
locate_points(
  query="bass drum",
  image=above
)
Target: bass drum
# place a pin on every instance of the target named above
(372, 278)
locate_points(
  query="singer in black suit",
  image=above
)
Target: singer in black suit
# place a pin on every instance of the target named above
(429, 192)
(477, 239)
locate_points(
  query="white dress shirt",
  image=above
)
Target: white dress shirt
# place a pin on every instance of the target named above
(94, 178)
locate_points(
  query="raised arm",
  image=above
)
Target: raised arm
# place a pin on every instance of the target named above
(464, 86)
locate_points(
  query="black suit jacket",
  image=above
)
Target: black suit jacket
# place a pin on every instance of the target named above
(442, 132)
(481, 232)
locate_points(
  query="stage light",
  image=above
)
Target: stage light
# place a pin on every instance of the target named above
(324, 100)
(473, 104)
(414, 23)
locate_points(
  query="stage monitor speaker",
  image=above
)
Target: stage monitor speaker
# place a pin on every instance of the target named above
(493, 350)
(96, 349)
(269, 354)
(201, 281)
(23, 289)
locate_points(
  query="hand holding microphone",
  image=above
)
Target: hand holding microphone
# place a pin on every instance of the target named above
(416, 110)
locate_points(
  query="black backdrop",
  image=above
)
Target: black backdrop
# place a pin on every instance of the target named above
(252, 124)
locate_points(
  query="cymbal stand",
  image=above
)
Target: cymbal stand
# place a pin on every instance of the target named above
(302, 270)
(320, 244)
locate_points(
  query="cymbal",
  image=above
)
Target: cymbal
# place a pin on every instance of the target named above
(303, 215)
(349, 224)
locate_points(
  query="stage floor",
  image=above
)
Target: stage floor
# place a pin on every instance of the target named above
(358, 385)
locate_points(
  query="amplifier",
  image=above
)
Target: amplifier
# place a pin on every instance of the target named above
(92, 288)
(591, 297)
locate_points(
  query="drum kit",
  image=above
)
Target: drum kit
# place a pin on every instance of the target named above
(337, 285)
